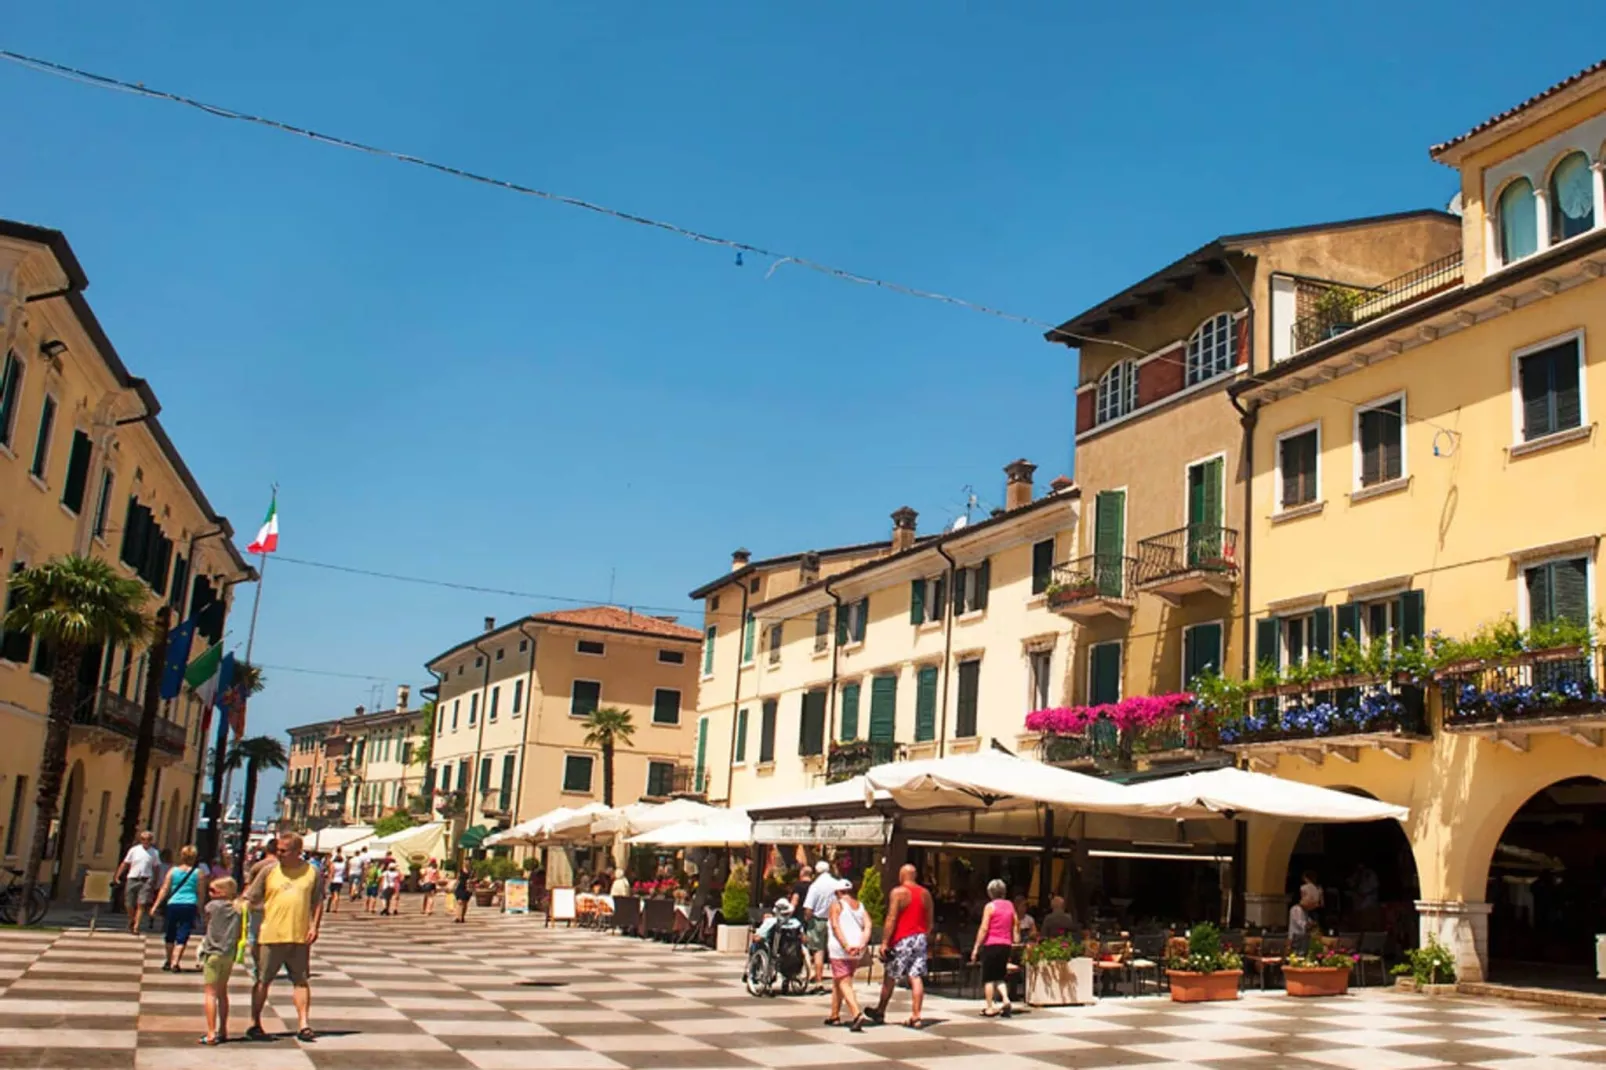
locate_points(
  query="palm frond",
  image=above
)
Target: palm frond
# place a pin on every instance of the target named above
(77, 601)
(609, 726)
(265, 752)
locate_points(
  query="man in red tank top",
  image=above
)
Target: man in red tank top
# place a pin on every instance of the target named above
(904, 941)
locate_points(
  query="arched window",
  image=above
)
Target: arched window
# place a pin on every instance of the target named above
(1117, 393)
(1572, 198)
(1519, 226)
(1210, 350)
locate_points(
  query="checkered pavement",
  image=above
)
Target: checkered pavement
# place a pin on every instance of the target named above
(504, 993)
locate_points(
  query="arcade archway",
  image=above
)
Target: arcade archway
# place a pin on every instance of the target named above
(1368, 875)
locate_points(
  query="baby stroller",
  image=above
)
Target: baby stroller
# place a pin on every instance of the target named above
(777, 959)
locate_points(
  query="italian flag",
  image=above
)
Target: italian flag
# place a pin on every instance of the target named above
(267, 539)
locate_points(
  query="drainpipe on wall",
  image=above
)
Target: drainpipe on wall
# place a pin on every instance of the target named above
(479, 739)
(947, 643)
(1247, 419)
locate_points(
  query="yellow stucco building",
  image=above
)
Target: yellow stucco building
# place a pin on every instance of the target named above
(86, 467)
(1425, 462)
(357, 769)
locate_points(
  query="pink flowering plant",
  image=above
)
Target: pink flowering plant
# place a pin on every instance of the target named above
(1137, 712)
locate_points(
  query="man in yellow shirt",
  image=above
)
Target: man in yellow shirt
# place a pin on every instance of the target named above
(290, 896)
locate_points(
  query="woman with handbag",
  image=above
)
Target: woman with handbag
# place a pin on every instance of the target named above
(847, 940)
(177, 900)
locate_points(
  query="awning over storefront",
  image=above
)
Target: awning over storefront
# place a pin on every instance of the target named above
(1237, 793)
(338, 838)
(991, 780)
(573, 827)
(846, 793)
(474, 837)
(732, 830)
(637, 818)
(418, 842)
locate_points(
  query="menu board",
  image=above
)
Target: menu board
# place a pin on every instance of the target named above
(516, 897)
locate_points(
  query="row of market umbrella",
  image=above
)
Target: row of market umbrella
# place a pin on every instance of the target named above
(990, 780)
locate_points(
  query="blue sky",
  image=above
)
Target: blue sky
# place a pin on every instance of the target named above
(460, 383)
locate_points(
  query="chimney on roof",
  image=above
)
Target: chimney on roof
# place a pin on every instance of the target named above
(808, 568)
(1061, 484)
(740, 557)
(361, 710)
(1018, 484)
(403, 693)
(903, 529)
(490, 624)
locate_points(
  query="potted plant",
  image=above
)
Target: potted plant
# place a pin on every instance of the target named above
(1429, 970)
(733, 904)
(1318, 972)
(1209, 971)
(1058, 973)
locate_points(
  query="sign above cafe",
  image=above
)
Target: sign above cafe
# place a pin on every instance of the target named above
(848, 831)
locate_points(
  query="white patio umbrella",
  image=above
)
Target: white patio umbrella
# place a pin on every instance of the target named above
(991, 780)
(531, 831)
(1237, 792)
(343, 837)
(637, 818)
(841, 793)
(575, 826)
(732, 830)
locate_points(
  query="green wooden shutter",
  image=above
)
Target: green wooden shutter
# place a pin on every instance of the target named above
(1109, 523)
(813, 729)
(917, 601)
(1321, 632)
(702, 754)
(1559, 591)
(926, 704)
(984, 577)
(1267, 634)
(741, 734)
(841, 625)
(939, 592)
(959, 590)
(1568, 405)
(1105, 674)
(1201, 652)
(708, 649)
(1411, 616)
(861, 619)
(969, 695)
(1214, 491)
(850, 711)
(883, 709)
(1042, 565)
(766, 732)
(1349, 622)
(507, 782)
(72, 495)
(749, 633)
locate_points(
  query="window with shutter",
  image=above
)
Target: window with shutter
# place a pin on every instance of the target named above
(15, 645)
(883, 709)
(103, 502)
(926, 704)
(1104, 674)
(700, 768)
(584, 696)
(1297, 467)
(1042, 565)
(485, 774)
(861, 618)
(1039, 667)
(1380, 431)
(984, 577)
(850, 712)
(506, 801)
(660, 779)
(822, 629)
(1268, 634)
(741, 734)
(1321, 632)
(1201, 651)
(708, 649)
(666, 706)
(917, 601)
(41, 445)
(77, 482)
(1548, 380)
(749, 631)
(1109, 542)
(811, 727)
(10, 396)
(1558, 590)
(766, 732)
(494, 707)
(576, 773)
(968, 699)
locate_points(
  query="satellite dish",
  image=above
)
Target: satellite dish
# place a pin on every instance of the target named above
(1454, 207)
(959, 522)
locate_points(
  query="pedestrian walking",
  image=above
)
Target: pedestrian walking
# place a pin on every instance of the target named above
(370, 886)
(390, 887)
(177, 900)
(336, 881)
(905, 938)
(138, 874)
(463, 890)
(996, 937)
(289, 895)
(354, 869)
(429, 879)
(848, 941)
(816, 927)
(219, 946)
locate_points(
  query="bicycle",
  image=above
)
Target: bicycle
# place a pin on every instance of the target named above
(11, 898)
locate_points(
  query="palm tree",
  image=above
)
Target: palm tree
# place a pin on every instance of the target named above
(608, 727)
(255, 754)
(70, 604)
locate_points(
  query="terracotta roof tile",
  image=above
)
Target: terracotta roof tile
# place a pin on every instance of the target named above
(1593, 68)
(620, 620)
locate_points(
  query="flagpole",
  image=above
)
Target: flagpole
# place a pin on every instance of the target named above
(250, 642)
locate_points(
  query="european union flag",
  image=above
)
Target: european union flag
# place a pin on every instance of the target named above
(179, 641)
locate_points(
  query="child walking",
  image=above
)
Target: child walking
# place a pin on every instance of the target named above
(218, 948)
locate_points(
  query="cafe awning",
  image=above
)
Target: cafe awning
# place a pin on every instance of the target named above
(990, 780)
(637, 818)
(731, 830)
(848, 792)
(1238, 793)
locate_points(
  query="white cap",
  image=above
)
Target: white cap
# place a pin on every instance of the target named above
(844, 885)
(822, 866)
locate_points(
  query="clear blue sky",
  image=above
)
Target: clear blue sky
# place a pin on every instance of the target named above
(460, 383)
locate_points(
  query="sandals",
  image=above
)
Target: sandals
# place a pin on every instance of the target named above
(210, 1042)
(832, 1021)
(857, 1025)
(256, 1032)
(1008, 1011)
(306, 1035)
(915, 1023)
(991, 1014)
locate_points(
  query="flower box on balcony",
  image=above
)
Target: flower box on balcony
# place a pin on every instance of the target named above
(1064, 596)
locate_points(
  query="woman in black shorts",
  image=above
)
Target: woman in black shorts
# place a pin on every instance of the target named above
(996, 938)
(464, 889)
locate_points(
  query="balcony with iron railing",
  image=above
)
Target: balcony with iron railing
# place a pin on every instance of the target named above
(1094, 586)
(854, 758)
(1511, 699)
(1338, 716)
(1197, 559)
(495, 802)
(1181, 735)
(115, 719)
(1328, 309)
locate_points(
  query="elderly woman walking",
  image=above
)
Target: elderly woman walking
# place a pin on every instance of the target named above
(847, 941)
(996, 936)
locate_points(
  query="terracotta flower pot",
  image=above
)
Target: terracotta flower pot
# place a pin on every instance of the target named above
(1188, 987)
(1316, 980)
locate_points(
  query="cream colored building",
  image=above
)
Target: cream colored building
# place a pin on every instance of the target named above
(511, 704)
(936, 645)
(86, 467)
(357, 769)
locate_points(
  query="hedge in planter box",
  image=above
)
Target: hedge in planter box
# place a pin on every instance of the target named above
(1058, 972)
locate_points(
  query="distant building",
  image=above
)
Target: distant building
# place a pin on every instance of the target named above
(357, 769)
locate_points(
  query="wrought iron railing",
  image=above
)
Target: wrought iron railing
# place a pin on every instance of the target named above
(1089, 577)
(1534, 687)
(1328, 309)
(170, 736)
(1195, 548)
(848, 760)
(1324, 709)
(1098, 742)
(495, 801)
(1190, 730)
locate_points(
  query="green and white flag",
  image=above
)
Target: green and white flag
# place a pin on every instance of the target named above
(201, 676)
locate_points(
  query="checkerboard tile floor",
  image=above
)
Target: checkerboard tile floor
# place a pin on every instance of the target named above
(503, 993)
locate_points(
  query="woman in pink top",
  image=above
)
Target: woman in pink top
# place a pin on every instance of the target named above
(996, 936)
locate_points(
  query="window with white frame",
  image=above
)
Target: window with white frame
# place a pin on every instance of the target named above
(1380, 442)
(1117, 392)
(1572, 198)
(776, 635)
(1039, 665)
(1298, 454)
(1550, 387)
(926, 599)
(10, 396)
(1210, 349)
(1519, 221)
(1557, 590)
